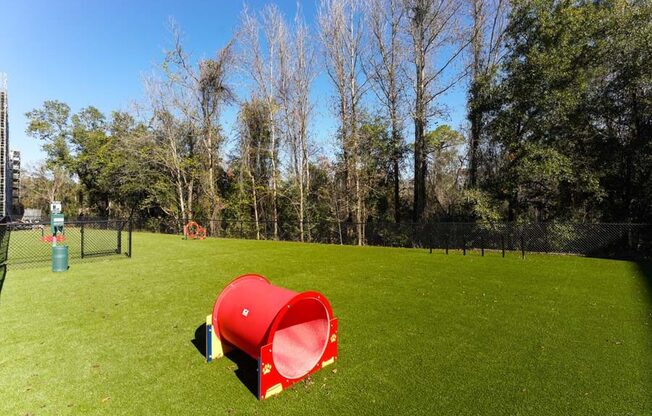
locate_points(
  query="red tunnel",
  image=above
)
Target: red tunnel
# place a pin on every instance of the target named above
(290, 334)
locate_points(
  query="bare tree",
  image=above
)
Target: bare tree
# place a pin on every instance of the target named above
(489, 20)
(297, 72)
(436, 46)
(262, 67)
(173, 155)
(341, 32)
(385, 68)
(213, 92)
(254, 133)
(186, 105)
(42, 184)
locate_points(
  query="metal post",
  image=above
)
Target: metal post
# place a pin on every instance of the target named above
(447, 243)
(502, 243)
(482, 245)
(129, 240)
(463, 244)
(241, 230)
(119, 248)
(82, 240)
(522, 246)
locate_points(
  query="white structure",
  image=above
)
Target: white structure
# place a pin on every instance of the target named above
(32, 215)
(6, 178)
(14, 161)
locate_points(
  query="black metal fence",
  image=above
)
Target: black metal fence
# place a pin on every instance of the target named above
(613, 240)
(594, 240)
(31, 243)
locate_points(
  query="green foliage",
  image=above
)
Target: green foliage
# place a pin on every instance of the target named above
(443, 137)
(111, 162)
(481, 206)
(541, 172)
(571, 116)
(376, 150)
(51, 125)
(446, 180)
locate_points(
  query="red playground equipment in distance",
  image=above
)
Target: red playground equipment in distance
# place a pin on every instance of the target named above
(194, 231)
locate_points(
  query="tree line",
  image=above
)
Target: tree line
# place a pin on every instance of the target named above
(559, 120)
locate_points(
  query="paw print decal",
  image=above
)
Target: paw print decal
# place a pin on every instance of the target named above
(267, 368)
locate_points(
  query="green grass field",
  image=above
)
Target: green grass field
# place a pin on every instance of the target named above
(419, 333)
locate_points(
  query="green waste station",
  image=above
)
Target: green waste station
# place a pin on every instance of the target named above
(59, 251)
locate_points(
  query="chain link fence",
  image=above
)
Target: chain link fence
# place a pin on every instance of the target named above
(595, 240)
(611, 240)
(30, 244)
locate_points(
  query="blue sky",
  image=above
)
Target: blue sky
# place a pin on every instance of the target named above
(96, 53)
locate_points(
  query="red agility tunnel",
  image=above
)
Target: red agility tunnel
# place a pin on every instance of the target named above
(290, 334)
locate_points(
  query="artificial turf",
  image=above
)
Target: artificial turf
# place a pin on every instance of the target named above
(419, 333)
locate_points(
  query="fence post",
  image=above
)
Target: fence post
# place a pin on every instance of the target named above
(82, 239)
(522, 246)
(447, 236)
(241, 230)
(129, 240)
(464, 244)
(119, 248)
(482, 244)
(502, 243)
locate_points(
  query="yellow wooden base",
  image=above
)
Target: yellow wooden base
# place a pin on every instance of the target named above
(275, 389)
(214, 349)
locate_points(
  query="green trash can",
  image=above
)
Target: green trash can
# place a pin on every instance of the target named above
(59, 258)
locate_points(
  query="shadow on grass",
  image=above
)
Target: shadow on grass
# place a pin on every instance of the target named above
(247, 367)
(200, 339)
(3, 274)
(645, 268)
(73, 260)
(247, 371)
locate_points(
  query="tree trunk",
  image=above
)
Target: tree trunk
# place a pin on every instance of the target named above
(475, 119)
(274, 188)
(473, 155)
(190, 199)
(346, 158)
(396, 174)
(356, 177)
(420, 168)
(255, 201)
(298, 171)
(301, 211)
(272, 125)
(306, 164)
(211, 180)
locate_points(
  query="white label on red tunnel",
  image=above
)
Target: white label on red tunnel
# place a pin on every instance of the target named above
(245, 312)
